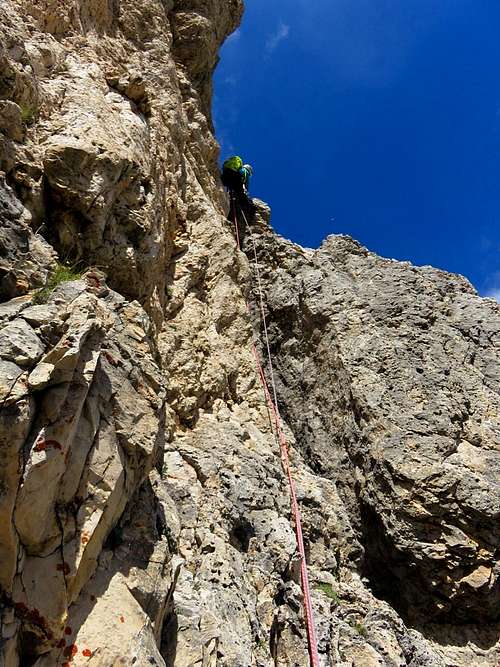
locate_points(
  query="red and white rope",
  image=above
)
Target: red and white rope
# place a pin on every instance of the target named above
(273, 405)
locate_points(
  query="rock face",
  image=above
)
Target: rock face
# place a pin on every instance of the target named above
(144, 512)
(390, 376)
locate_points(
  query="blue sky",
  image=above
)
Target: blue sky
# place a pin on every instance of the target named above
(374, 118)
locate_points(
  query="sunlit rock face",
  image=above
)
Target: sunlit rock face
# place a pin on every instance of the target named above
(144, 511)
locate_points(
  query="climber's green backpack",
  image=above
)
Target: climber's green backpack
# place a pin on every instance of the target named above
(234, 163)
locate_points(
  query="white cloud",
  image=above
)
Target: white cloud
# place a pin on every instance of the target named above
(494, 294)
(493, 287)
(281, 33)
(234, 37)
(230, 80)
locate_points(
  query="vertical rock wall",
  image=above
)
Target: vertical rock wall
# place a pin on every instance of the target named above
(144, 514)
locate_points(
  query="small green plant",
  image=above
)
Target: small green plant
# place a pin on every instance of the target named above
(61, 274)
(262, 643)
(327, 589)
(360, 629)
(28, 114)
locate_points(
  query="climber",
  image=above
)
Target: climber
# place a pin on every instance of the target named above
(236, 178)
(246, 173)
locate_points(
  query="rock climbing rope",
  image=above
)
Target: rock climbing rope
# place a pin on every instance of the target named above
(272, 401)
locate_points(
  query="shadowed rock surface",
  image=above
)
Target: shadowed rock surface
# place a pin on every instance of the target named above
(144, 512)
(390, 375)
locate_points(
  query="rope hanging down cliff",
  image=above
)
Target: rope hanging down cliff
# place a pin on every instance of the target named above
(273, 405)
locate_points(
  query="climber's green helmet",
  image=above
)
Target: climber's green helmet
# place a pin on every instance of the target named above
(234, 163)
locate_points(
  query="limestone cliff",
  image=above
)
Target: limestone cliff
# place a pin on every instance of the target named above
(144, 512)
